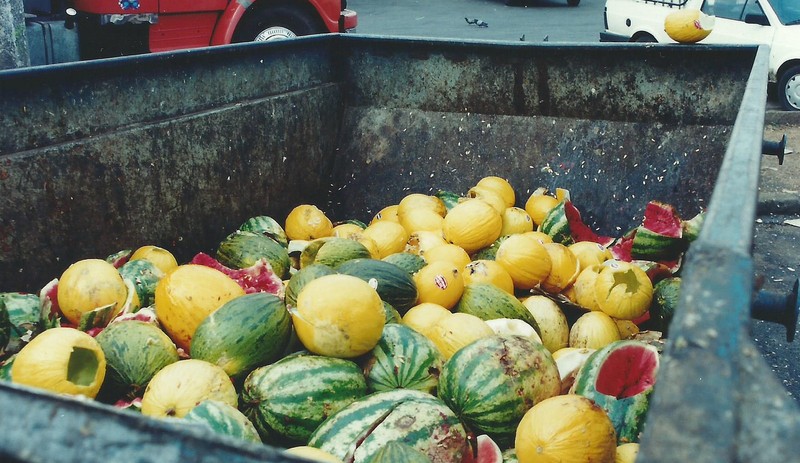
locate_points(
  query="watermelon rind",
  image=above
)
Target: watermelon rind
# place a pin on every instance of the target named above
(627, 413)
(289, 399)
(403, 358)
(144, 276)
(412, 417)
(224, 419)
(24, 316)
(242, 249)
(267, 226)
(245, 333)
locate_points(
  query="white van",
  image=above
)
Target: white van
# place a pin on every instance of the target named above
(772, 22)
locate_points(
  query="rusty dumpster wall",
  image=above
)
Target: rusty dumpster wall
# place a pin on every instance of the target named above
(178, 149)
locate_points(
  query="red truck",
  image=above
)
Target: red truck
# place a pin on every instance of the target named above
(108, 28)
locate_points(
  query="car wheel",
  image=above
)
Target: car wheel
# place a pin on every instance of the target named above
(644, 38)
(789, 89)
(274, 23)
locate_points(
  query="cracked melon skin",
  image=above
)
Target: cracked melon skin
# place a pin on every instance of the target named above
(620, 378)
(415, 418)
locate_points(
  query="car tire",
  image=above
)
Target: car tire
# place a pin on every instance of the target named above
(276, 22)
(644, 38)
(789, 89)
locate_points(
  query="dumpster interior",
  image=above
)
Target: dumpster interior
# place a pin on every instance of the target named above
(179, 149)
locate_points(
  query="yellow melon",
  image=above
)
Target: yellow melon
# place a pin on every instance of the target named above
(90, 284)
(472, 224)
(440, 282)
(525, 259)
(61, 360)
(307, 222)
(338, 316)
(688, 25)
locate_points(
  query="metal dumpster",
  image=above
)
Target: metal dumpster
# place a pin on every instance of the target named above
(179, 149)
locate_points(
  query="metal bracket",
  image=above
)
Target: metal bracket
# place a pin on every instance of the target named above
(775, 148)
(779, 308)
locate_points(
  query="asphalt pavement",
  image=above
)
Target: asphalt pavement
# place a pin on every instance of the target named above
(776, 250)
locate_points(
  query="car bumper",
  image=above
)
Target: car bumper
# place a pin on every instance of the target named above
(606, 36)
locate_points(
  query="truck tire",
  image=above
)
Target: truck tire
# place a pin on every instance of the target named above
(272, 22)
(789, 89)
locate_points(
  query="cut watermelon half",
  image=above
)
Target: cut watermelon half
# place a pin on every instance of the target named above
(257, 278)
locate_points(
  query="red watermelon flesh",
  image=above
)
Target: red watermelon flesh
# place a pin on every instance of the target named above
(483, 450)
(257, 278)
(623, 247)
(579, 230)
(627, 371)
(662, 218)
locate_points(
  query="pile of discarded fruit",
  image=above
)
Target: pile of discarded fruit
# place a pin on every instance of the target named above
(450, 328)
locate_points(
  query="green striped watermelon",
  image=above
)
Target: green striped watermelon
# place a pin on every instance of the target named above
(403, 358)
(415, 418)
(393, 284)
(135, 351)
(290, 398)
(407, 261)
(267, 226)
(691, 228)
(245, 333)
(488, 302)
(223, 418)
(301, 278)
(620, 378)
(449, 198)
(243, 249)
(143, 275)
(493, 381)
(666, 295)
(398, 452)
(392, 315)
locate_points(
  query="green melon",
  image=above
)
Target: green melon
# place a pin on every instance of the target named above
(488, 302)
(290, 398)
(143, 275)
(449, 198)
(392, 315)
(489, 252)
(403, 358)
(620, 378)
(301, 278)
(393, 284)
(398, 452)
(505, 377)
(556, 225)
(666, 296)
(407, 261)
(415, 418)
(267, 226)
(243, 249)
(134, 352)
(336, 251)
(245, 333)
(223, 418)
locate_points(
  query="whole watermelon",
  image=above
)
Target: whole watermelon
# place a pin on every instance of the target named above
(289, 399)
(403, 358)
(245, 333)
(505, 376)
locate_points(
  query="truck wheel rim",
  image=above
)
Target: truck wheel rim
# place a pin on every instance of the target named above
(792, 91)
(274, 33)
